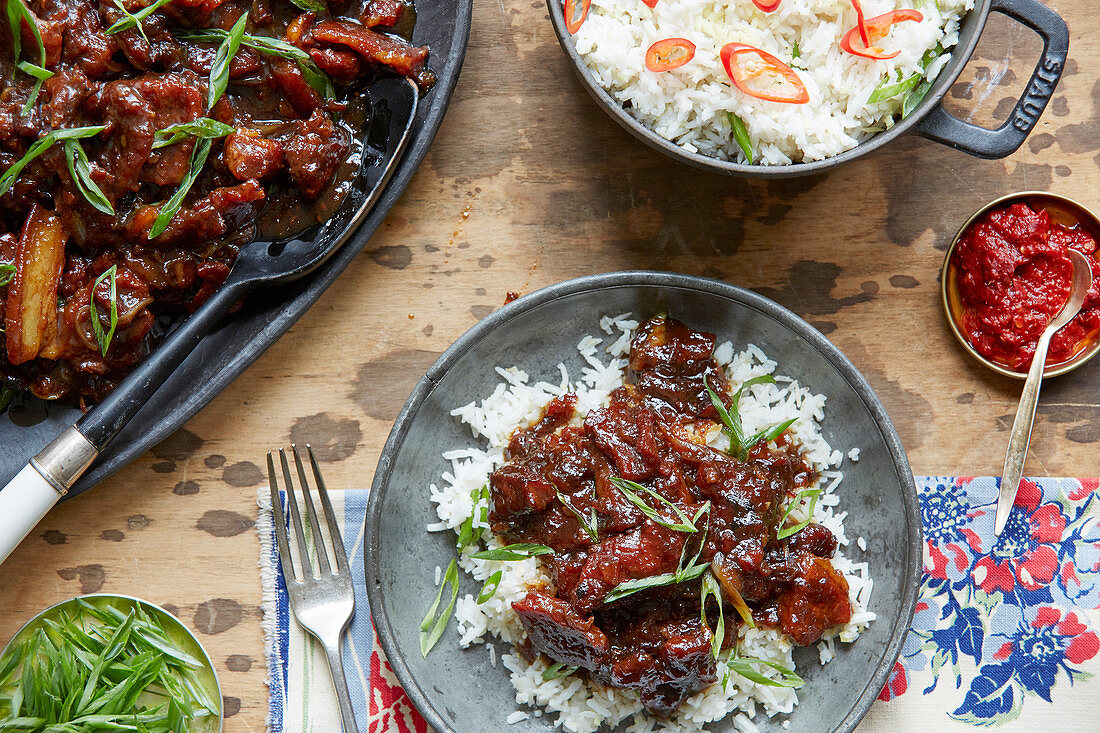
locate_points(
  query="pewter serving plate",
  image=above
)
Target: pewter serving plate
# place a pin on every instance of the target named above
(458, 690)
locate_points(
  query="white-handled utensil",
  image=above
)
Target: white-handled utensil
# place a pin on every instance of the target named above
(1020, 437)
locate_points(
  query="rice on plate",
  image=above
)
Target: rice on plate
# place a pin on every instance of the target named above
(581, 704)
(851, 93)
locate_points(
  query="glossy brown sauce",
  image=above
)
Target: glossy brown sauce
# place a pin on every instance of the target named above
(651, 433)
(287, 165)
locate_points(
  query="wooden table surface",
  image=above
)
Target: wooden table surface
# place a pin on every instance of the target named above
(530, 183)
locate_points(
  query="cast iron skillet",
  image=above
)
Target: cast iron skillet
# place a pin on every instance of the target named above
(929, 119)
(535, 333)
(444, 26)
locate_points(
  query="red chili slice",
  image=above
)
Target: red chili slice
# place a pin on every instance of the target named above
(669, 54)
(650, 3)
(761, 75)
(766, 6)
(573, 19)
(877, 29)
(861, 23)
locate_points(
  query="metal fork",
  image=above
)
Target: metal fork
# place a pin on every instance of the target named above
(322, 598)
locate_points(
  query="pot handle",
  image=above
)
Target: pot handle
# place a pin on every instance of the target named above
(945, 128)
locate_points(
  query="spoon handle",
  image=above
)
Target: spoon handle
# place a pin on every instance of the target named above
(1021, 434)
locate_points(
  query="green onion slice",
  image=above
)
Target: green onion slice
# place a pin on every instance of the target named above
(741, 135)
(556, 671)
(467, 535)
(172, 206)
(588, 524)
(313, 74)
(710, 588)
(219, 69)
(131, 20)
(630, 587)
(203, 128)
(812, 495)
(18, 13)
(744, 667)
(81, 172)
(104, 339)
(518, 551)
(490, 588)
(433, 625)
(628, 489)
(40, 146)
(7, 274)
(34, 70)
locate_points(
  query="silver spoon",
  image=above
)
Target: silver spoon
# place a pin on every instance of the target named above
(1025, 414)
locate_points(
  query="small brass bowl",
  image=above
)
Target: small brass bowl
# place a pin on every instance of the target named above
(173, 627)
(1064, 211)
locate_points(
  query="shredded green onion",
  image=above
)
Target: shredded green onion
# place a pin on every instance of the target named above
(812, 495)
(104, 339)
(518, 551)
(628, 489)
(435, 621)
(741, 135)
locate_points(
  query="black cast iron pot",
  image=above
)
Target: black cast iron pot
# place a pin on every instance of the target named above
(929, 119)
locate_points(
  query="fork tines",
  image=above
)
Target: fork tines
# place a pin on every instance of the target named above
(326, 550)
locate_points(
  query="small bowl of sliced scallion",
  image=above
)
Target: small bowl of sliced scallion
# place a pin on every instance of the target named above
(107, 662)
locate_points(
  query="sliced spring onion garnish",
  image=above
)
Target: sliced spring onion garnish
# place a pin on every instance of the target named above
(467, 535)
(132, 20)
(710, 588)
(104, 339)
(34, 70)
(744, 667)
(7, 273)
(219, 69)
(812, 495)
(702, 540)
(202, 128)
(81, 171)
(588, 524)
(731, 419)
(518, 551)
(630, 587)
(170, 207)
(627, 488)
(19, 13)
(556, 671)
(490, 588)
(741, 135)
(435, 621)
(40, 146)
(92, 670)
(770, 434)
(313, 74)
(314, 5)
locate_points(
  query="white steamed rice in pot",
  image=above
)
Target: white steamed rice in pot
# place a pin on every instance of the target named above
(851, 98)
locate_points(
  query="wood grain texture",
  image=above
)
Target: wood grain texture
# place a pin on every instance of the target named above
(530, 183)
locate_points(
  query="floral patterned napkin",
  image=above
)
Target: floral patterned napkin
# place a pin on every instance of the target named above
(1005, 631)
(1004, 635)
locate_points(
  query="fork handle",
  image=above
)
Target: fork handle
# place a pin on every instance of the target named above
(336, 666)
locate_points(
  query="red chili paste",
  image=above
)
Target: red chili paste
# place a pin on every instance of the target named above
(1014, 274)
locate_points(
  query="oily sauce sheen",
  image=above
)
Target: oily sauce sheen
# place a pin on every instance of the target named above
(651, 433)
(285, 166)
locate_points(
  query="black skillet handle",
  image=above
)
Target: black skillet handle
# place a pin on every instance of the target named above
(103, 422)
(945, 128)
